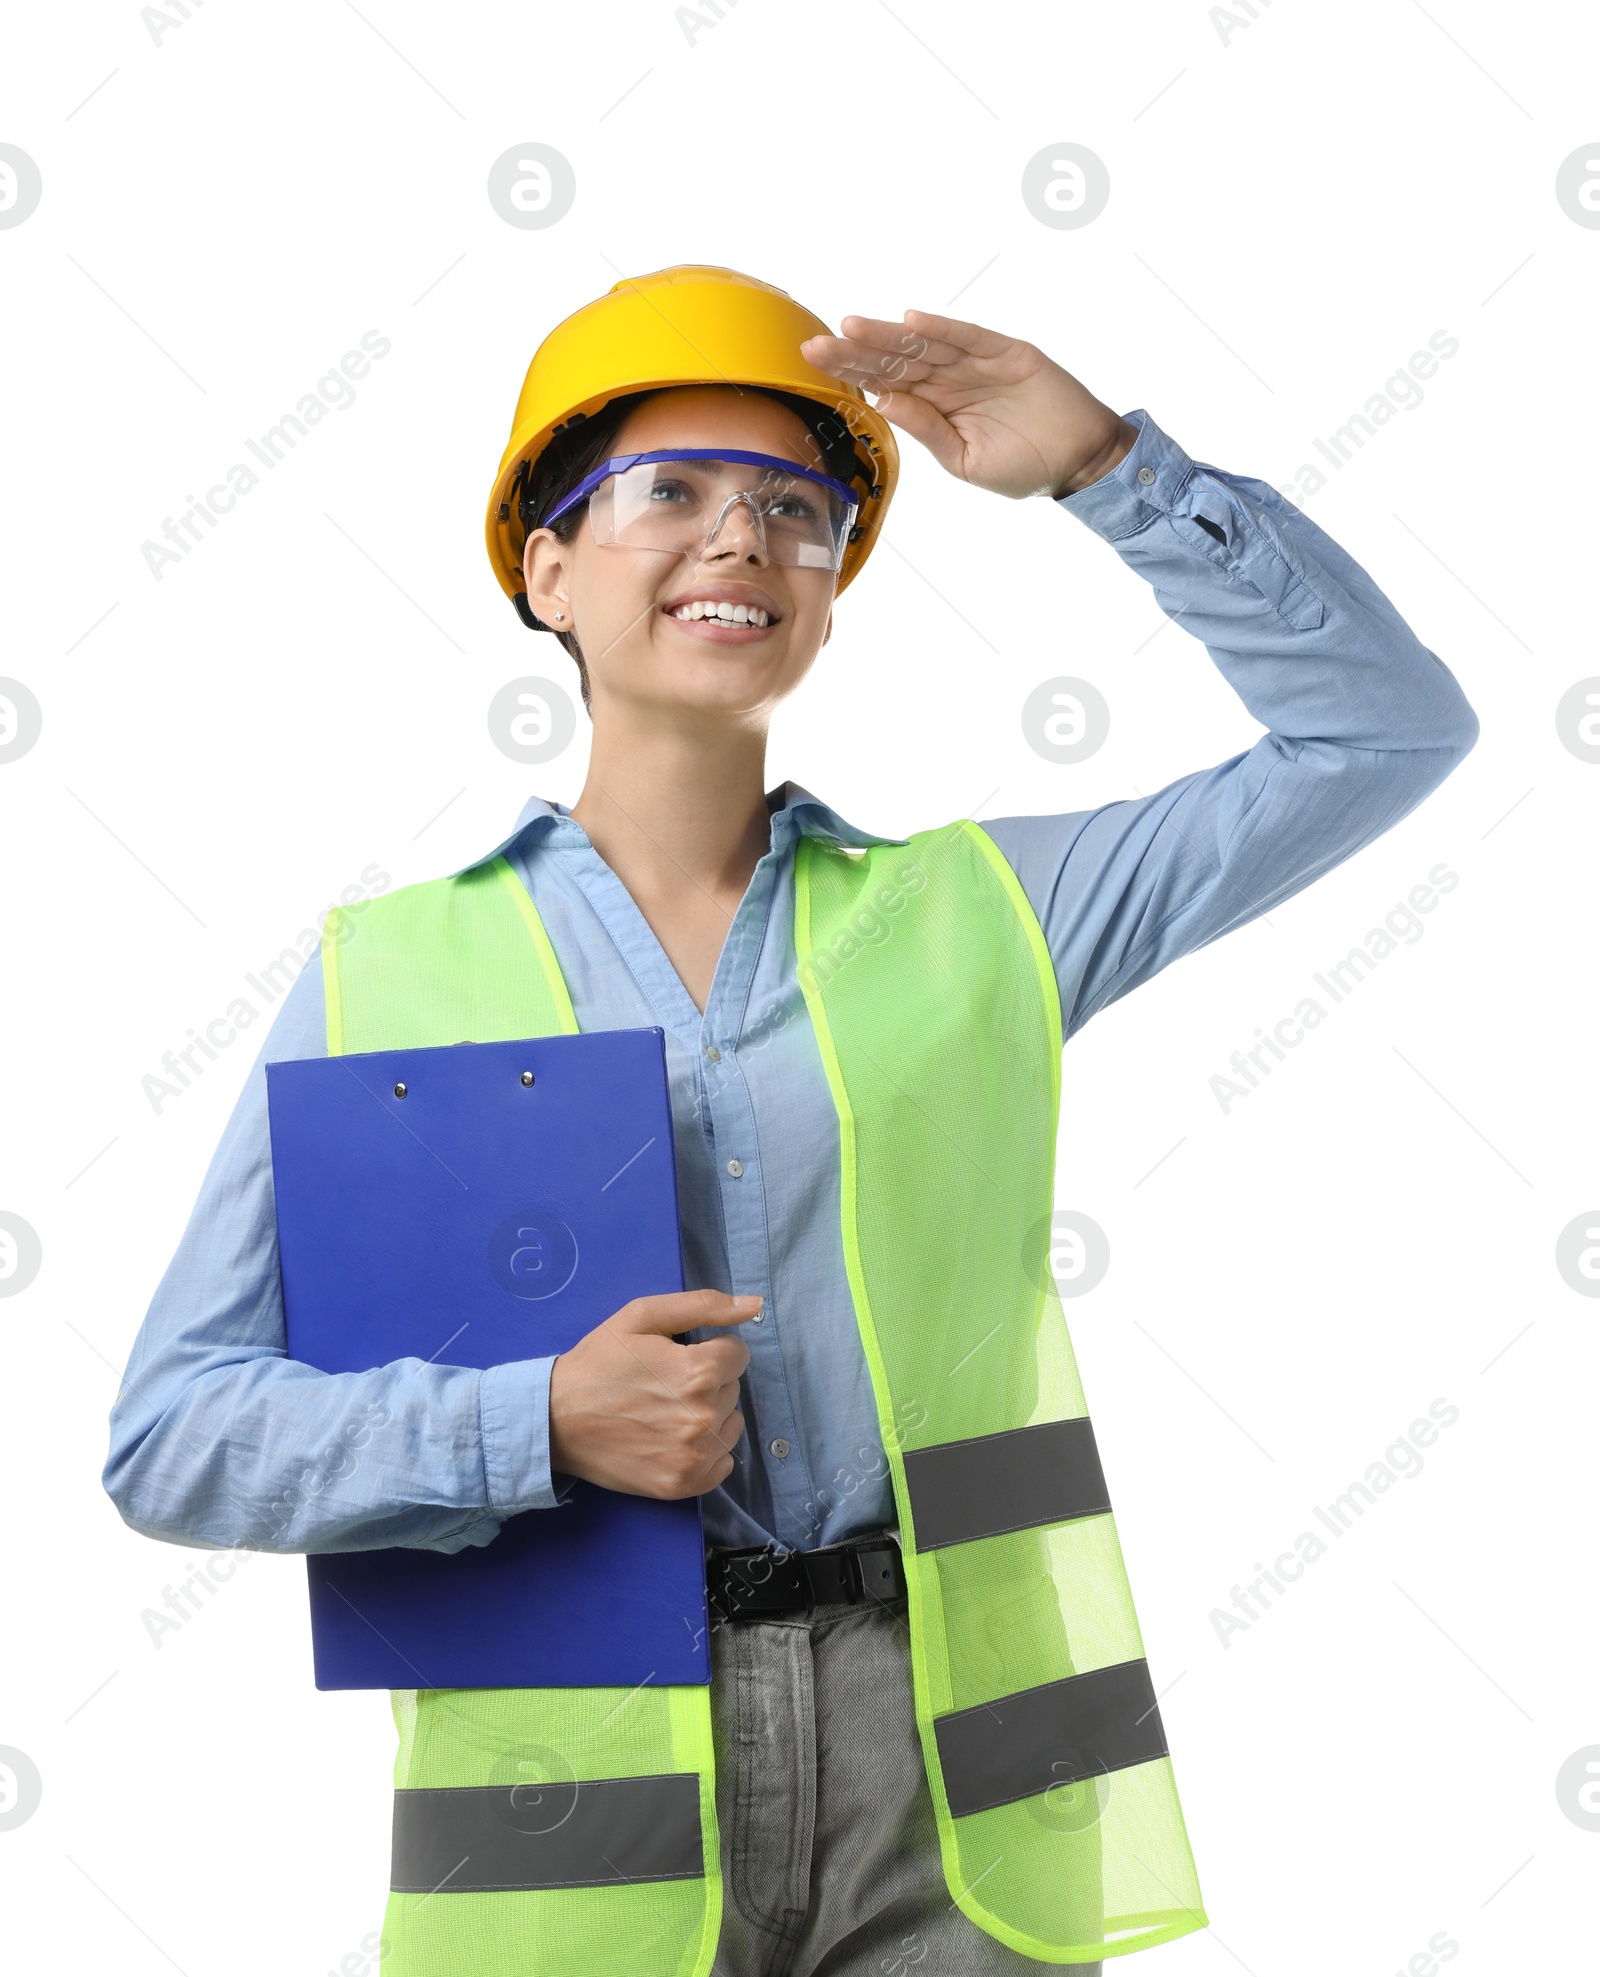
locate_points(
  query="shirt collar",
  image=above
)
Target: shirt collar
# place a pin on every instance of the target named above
(795, 813)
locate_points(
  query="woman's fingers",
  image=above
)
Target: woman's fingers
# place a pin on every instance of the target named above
(903, 340)
(844, 357)
(971, 338)
(977, 400)
(916, 416)
(944, 339)
(896, 354)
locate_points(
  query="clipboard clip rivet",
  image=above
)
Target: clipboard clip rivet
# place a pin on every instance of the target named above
(399, 1091)
(527, 1077)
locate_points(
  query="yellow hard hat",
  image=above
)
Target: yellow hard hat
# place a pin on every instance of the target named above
(685, 325)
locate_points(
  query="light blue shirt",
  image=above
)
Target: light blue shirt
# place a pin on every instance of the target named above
(220, 1439)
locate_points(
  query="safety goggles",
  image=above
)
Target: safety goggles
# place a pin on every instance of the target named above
(682, 502)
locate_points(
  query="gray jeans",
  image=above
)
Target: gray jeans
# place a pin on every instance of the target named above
(830, 1852)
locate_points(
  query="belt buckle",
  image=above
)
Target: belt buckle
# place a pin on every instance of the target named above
(843, 1575)
(736, 1594)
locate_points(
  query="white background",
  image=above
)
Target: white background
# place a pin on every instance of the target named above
(1297, 204)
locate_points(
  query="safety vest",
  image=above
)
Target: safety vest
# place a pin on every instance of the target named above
(573, 1830)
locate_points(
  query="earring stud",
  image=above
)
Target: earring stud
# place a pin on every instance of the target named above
(559, 616)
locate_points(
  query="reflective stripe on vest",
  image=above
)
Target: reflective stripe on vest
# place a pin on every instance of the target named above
(1012, 1481)
(582, 1833)
(934, 1003)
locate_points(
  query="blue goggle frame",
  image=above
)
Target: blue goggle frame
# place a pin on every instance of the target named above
(624, 461)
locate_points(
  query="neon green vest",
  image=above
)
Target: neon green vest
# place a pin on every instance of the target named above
(574, 1830)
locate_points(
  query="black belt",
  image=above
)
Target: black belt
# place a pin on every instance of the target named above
(747, 1585)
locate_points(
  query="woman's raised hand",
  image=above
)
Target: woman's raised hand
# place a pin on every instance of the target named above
(991, 409)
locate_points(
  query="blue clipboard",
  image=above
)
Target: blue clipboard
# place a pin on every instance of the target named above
(515, 1195)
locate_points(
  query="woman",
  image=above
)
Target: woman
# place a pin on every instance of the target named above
(930, 1736)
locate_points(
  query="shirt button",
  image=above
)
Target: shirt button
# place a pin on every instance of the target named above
(1147, 475)
(736, 1168)
(713, 1055)
(780, 1448)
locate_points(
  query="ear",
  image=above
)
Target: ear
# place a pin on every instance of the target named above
(827, 630)
(546, 566)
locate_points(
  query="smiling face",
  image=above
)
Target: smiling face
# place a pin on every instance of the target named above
(633, 608)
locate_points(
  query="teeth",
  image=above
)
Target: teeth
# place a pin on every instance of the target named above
(726, 614)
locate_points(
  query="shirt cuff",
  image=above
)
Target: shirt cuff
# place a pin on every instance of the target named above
(1148, 480)
(514, 1420)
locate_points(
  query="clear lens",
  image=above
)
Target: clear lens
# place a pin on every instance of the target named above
(679, 506)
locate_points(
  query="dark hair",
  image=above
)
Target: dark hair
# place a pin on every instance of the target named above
(577, 450)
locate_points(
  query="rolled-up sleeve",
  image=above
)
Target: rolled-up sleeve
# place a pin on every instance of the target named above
(218, 1438)
(1362, 720)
